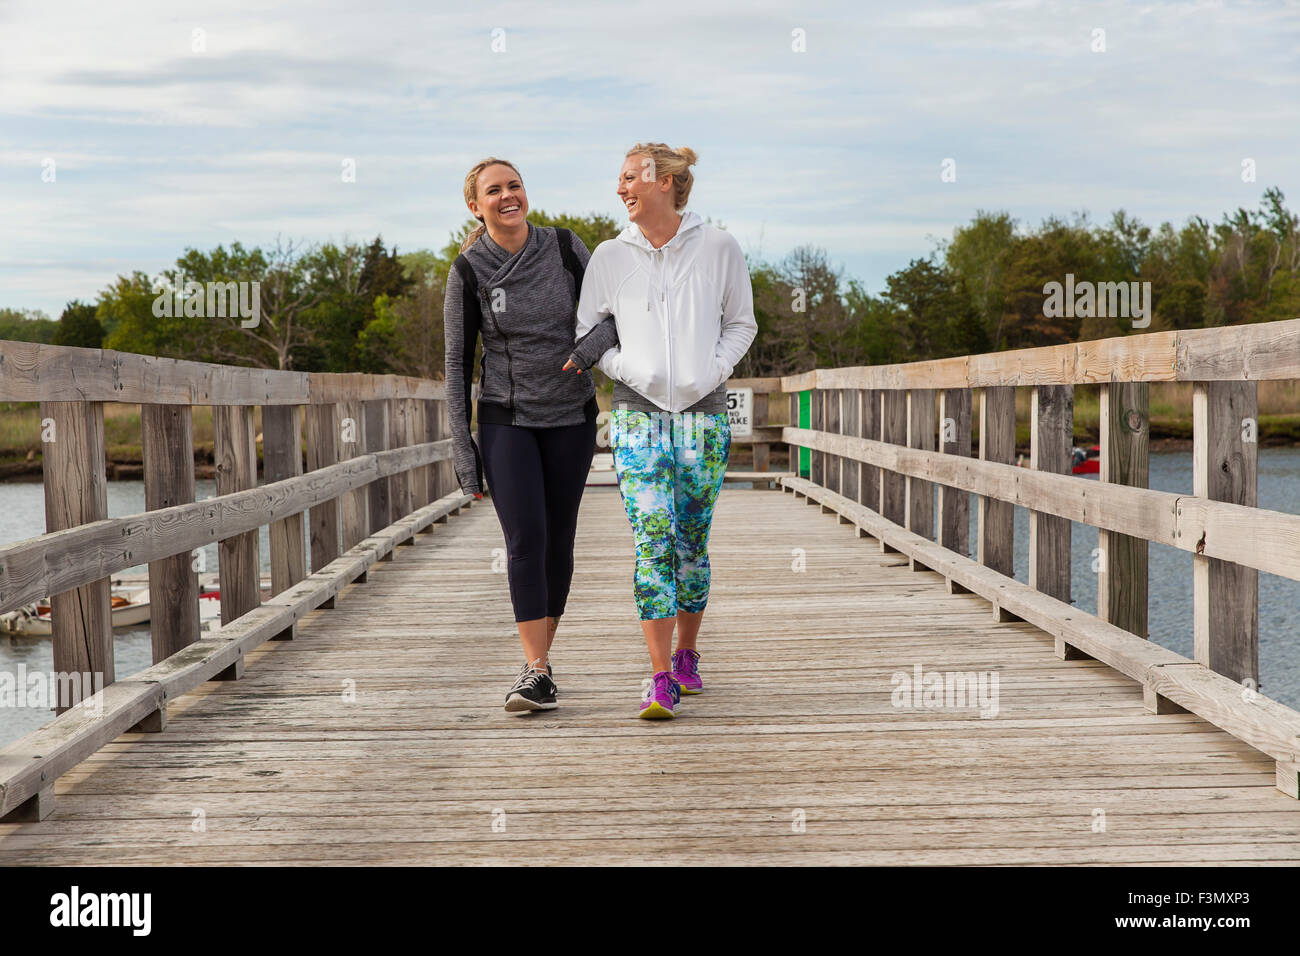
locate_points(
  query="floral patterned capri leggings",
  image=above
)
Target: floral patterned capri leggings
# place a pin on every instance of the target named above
(670, 468)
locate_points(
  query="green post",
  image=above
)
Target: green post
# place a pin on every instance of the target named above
(805, 421)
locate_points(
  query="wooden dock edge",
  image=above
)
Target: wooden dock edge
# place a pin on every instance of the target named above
(1166, 678)
(29, 766)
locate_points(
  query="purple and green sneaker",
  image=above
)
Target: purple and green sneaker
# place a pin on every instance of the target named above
(686, 671)
(661, 697)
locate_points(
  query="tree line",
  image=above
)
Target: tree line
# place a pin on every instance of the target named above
(367, 308)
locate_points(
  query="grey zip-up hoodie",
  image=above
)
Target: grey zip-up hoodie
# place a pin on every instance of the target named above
(526, 318)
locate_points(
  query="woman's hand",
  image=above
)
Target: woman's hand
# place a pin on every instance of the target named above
(569, 365)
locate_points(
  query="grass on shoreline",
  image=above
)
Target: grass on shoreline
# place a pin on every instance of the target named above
(1171, 417)
(20, 431)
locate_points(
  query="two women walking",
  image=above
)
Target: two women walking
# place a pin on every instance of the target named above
(666, 311)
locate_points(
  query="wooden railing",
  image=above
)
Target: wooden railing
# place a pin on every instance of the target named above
(378, 471)
(875, 440)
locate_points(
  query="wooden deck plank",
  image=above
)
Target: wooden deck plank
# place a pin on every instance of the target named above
(805, 631)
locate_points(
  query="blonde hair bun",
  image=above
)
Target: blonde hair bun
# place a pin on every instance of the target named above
(671, 162)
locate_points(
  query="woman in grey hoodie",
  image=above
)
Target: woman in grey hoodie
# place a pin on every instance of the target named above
(516, 287)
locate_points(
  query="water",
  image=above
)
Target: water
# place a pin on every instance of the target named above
(1169, 600)
(22, 515)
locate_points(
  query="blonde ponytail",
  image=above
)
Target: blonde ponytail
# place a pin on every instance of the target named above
(474, 235)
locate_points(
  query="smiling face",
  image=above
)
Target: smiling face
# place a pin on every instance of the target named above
(500, 200)
(644, 196)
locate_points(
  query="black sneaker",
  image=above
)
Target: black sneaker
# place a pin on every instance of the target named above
(548, 674)
(533, 690)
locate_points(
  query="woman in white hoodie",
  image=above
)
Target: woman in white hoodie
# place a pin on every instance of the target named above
(678, 290)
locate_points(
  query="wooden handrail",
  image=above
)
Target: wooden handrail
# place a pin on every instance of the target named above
(63, 560)
(378, 454)
(1267, 351)
(29, 766)
(868, 439)
(32, 372)
(1253, 537)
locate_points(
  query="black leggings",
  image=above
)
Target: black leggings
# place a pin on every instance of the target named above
(536, 477)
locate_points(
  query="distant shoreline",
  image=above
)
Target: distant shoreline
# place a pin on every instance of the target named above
(130, 467)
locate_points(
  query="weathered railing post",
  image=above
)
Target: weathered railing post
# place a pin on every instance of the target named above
(919, 492)
(400, 431)
(850, 424)
(1225, 418)
(377, 439)
(167, 445)
(422, 475)
(445, 468)
(869, 412)
(817, 463)
(432, 432)
(354, 511)
(281, 459)
(76, 492)
(235, 451)
(761, 451)
(1051, 443)
(1122, 560)
(831, 417)
(324, 519)
(997, 518)
(954, 503)
(893, 485)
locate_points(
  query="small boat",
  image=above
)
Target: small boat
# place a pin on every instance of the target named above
(130, 607)
(1086, 461)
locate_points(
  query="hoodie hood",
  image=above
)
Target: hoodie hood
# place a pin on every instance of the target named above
(634, 236)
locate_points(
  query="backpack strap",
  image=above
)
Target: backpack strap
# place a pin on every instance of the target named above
(570, 259)
(468, 283)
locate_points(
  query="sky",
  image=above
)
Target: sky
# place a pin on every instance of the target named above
(130, 132)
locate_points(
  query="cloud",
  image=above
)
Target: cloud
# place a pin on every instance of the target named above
(165, 137)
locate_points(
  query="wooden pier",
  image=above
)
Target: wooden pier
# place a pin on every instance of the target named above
(372, 730)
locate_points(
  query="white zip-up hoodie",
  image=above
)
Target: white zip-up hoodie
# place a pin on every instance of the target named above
(684, 312)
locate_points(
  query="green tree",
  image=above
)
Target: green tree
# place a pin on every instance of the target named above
(978, 256)
(934, 315)
(26, 325)
(876, 327)
(79, 326)
(592, 229)
(805, 315)
(406, 335)
(126, 310)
